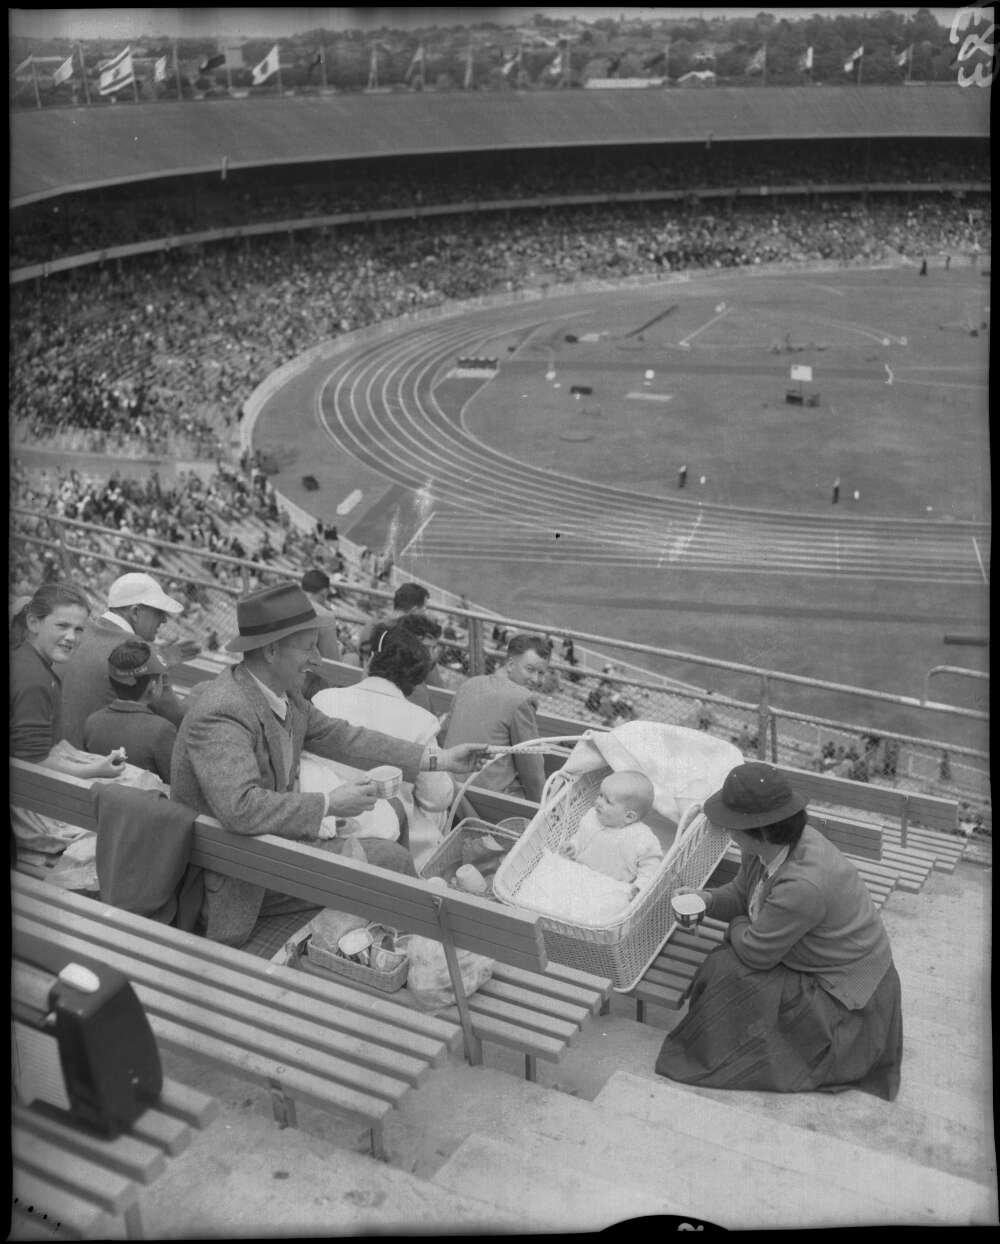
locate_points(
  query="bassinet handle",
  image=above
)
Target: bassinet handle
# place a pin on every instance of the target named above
(548, 746)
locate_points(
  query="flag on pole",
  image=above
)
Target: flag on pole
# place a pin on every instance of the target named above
(416, 63)
(806, 59)
(267, 67)
(117, 73)
(853, 59)
(160, 70)
(373, 68)
(64, 72)
(555, 69)
(509, 65)
(212, 62)
(905, 56)
(467, 84)
(758, 61)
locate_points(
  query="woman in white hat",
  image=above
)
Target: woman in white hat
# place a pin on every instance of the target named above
(803, 993)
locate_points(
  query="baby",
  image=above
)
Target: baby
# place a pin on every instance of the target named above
(612, 839)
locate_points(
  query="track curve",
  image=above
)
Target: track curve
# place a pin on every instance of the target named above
(389, 406)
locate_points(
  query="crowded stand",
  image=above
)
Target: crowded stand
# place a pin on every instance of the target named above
(182, 338)
(81, 222)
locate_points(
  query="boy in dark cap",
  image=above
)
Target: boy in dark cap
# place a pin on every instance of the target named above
(135, 673)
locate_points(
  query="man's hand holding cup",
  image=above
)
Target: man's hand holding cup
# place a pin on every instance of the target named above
(352, 798)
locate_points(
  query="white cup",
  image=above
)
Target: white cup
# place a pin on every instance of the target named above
(388, 780)
(688, 909)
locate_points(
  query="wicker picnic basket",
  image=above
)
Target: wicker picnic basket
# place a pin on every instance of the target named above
(447, 856)
(622, 950)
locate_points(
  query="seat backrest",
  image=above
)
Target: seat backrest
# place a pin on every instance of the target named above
(308, 872)
(824, 788)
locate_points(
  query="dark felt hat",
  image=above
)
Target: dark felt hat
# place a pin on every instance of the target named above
(752, 796)
(272, 613)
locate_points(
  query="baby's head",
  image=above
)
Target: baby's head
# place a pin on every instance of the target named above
(624, 797)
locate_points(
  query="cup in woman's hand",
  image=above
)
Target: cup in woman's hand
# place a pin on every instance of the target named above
(689, 908)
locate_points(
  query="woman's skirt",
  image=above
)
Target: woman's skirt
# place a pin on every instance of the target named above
(779, 1030)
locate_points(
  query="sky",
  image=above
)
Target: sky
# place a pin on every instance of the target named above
(207, 22)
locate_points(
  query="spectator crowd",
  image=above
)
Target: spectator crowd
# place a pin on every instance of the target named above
(76, 223)
(159, 354)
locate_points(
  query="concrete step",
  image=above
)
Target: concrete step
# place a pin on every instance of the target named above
(909, 1191)
(512, 1176)
(699, 1176)
(217, 1183)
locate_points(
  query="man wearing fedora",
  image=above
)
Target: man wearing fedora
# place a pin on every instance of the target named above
(137, 608)
(803, 994)
(238, 750)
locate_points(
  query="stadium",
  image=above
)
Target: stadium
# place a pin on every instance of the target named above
(695, 381)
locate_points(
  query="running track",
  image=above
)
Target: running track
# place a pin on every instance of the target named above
(390, 407)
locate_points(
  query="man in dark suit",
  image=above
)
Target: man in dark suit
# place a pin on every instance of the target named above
(499, 708)
(238, 750)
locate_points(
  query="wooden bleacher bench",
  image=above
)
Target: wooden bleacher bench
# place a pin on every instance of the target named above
(69, 1183)
(529, 1005)
(913, 834)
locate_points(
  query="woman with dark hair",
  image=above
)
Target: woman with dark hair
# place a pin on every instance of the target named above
(381, 701)
(51, 624)
(803, 993)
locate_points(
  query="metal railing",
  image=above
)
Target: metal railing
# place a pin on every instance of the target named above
(607, 694)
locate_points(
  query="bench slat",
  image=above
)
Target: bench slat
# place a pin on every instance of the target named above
(82, 1177)
(303, 1085)
(505, 1032)
(273, 1010)
(215, 955)
(172, 1135)
(550, 985)
(77, 1216)
(219, 1020)
(186, 1104)
(481, 1003)
(505, 992)
(125, 1155)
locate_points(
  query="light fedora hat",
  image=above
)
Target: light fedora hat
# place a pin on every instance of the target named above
(271, 613)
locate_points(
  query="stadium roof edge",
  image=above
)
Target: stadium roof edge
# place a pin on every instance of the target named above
(59, 150)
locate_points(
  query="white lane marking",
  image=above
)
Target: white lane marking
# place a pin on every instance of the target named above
(979, 558)
(416, 535)
(883, 338)
(681, 547)
(650, 397)
(684, 341)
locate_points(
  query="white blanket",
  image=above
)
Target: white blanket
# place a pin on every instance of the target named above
(558, 886)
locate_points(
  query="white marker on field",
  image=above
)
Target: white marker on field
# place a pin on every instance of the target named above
(685, 341)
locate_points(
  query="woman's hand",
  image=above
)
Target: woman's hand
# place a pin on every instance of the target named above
(352, 798)
(465, 758)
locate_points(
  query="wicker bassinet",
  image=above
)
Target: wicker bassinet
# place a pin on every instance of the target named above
(622, 950)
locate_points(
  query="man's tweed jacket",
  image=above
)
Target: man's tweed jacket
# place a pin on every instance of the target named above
(229, 762)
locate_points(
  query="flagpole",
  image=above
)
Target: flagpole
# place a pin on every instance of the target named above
(763, 80)
(281, 89)
(83, 74)
(861, 60)
(34, 79)
(909, 64)
(229, 73)
(666, 63)
(322, 59)
(177, 74)
(135, 85)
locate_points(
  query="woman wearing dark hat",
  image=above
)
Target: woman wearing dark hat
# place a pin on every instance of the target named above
(803, 993)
